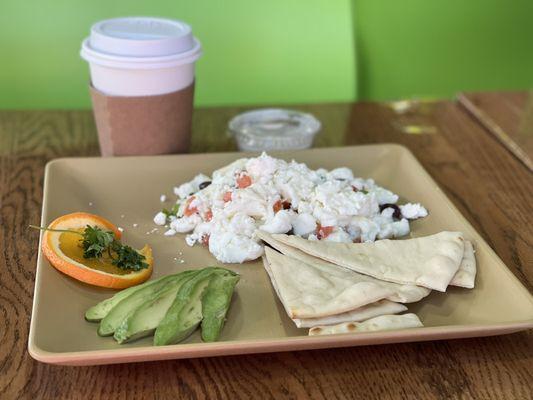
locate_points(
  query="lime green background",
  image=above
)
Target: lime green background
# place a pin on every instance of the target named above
(283, 51)
(436, 48)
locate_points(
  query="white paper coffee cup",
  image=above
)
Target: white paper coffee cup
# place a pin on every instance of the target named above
(142, 84)
(141, 56)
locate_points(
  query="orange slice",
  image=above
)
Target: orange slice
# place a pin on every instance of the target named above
(63, 251)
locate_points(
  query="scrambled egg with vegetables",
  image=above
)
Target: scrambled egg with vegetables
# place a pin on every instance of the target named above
(224, 212)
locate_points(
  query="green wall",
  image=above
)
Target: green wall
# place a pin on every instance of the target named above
(435, 48)
(254, 52)
(283, 51)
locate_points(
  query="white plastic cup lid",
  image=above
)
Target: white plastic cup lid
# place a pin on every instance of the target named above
(130, 41)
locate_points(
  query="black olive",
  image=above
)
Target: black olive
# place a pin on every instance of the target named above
(397, 212)
(205, 184)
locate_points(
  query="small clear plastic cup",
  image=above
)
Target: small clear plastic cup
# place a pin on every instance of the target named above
(274, 129)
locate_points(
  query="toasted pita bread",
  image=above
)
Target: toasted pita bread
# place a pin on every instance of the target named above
(382, 307)
(466, 275)
(429, 261)
(381, 323)
(401, 293)
(310, 292)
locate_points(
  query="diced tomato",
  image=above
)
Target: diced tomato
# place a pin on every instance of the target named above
(226, 197)
(205, 240)
(243, 181)
(208, 216)
(323, 232)
(188, 209)
(281, 205)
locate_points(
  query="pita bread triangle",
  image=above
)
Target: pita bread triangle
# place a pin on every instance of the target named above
(381, 323)
(429, 261)
(401, 293)
(466, 275)
(310, 292)
(382, 307)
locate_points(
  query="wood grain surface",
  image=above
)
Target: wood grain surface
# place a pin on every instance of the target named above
(490, 187)
(506, 115)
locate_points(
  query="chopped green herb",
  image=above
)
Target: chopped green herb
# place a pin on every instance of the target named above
(172, 212)
(95, 242)
(128, 258)
(175, 208)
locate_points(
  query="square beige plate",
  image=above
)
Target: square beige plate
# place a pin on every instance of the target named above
(127, 191)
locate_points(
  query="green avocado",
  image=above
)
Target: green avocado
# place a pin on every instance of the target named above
(215, 304)
(124, 307)
(185, 313)
(98, 312)
(144, 320)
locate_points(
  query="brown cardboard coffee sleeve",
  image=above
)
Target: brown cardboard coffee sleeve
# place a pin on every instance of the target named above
(144, 125)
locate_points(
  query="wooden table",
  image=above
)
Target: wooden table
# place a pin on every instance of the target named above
(490, 187)
(506, 115)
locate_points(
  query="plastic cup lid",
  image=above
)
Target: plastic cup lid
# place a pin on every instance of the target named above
(147, 40)
(271, 128)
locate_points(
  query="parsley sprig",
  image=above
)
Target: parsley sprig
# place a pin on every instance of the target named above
(96, 243)
(173, 211)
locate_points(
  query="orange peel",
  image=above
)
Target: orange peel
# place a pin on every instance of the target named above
(85, 271)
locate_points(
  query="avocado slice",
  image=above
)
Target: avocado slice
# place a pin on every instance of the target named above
(144, 320)
(185, 313)
(99, 311)
(215, 303)
(120, 311)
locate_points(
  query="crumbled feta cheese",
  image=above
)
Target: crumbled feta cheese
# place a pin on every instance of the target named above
(280, 223)
(135, 225)
(368, 228)
(152, 231)
(162, 198)
(184, 191)
(263, 166)
(230, 248)
(199, 179)
(341, 173)
(413, 211)
(384, 196)
(278, 196)
(400, 228)
(190, 240)
(303, 224)
(120, 229)
(185, 224)
(339, 235)
(387, 213)
(170, 232)
(324, 217)
(160, 218)
(242, 223)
